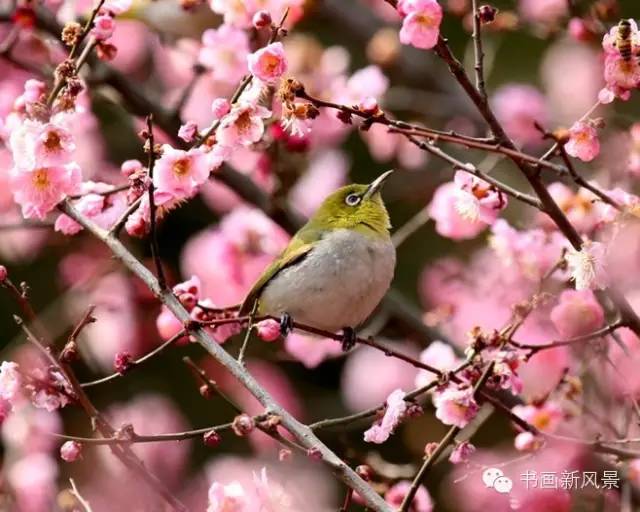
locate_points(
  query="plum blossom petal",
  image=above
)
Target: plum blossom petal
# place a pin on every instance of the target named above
(396, 407)
(583, 142)
(588, 265)
(455, 406)
(268, 63)
(180, 173)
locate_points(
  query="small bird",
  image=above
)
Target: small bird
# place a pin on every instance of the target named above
(336, 268)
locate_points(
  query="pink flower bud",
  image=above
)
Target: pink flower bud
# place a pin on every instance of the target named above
(130, 167)
(365, 472)
(261, 19)
(71, 451)
(3, 273)
(243, 425)
(122, 362)
(188, 131)
(577, 313)
(268, 63)
(487, 13)
(368, 105)
(211, 439)
(220, 107)
(268, 330)
(527, 442)
(461, 452)
(103, 27)
(578, 29)
(429, 448)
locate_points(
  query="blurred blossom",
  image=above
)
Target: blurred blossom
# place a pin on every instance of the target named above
(311, 350)
(583, 141)
(543, 11)
(518, 107)
(224, 51)
(454, 405)
(421, 23)
(384, 146)
(28, 429)
(577, 313)
(266, 488)
(33, 479)
(527, 442)
(269, 63)
(380, 431)
(581, 207)
(10, 381)
(588, 265)
(570, 99)
(116, 328)
(242, 245)
(188, 131)
(327, 171)
(151, 414)
(103, 27)
(396, 494)
(360, 391)
(440, 356)
(634, 153)
(545, 417)
(461, 452)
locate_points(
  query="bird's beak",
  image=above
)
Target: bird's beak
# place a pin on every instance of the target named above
(376, 184)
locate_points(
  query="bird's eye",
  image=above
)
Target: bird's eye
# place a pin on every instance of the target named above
(352, 199)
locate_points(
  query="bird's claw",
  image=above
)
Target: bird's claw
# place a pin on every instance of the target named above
(286, 324)
(348, 338)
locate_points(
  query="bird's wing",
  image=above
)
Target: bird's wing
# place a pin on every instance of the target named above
(297, 249)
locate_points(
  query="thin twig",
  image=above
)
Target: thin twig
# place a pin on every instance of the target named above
(74, 490)
(137, 362)
(155, 251)
(478, 52)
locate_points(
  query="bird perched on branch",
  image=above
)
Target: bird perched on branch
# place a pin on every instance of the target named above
(336, 268)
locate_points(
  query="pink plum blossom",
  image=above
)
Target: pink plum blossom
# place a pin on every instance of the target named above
(476, 199)
(395, 408)
(220, 107)
(244, 125)
(180, 173)
(545, 417)
(103, 27)
(543, 11)
(396, 494)
(583, 142)
(449, 222)
(421, 23)
(71, 451)
(38, 191)
(269, 63)
(34, 144)
(11, 381)
(188, 131)
(440, 356)
(527, 442)
(461, 452)
(228, 498)
(577, 313)
(224, 51)
(588, 265)
(455, 406)
(518, 107)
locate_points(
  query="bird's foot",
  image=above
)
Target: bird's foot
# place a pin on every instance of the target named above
(348, 338)
(286, 324)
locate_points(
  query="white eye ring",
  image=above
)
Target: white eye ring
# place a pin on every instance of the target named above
(352, 199)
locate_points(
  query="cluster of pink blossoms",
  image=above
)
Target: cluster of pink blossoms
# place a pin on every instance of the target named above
(43, 171)
(621, 72)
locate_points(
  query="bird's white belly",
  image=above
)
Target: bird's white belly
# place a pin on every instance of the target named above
(338, 284)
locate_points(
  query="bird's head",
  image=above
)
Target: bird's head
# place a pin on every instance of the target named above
(355, 207)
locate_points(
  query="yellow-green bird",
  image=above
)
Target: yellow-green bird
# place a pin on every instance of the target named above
(336, 268)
